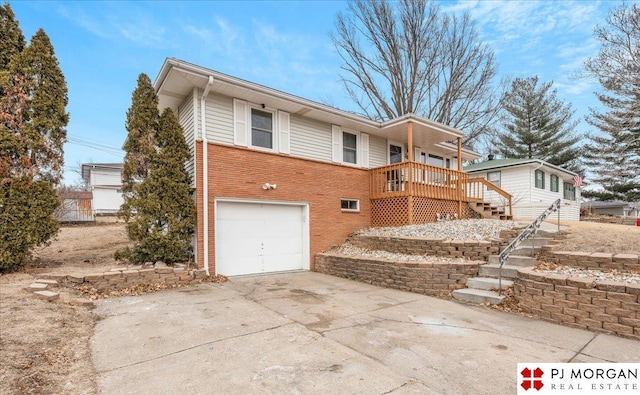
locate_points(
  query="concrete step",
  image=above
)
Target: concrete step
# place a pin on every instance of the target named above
(525, 251)
(477, 296)
(37, 287)
(49, 283)
(487, 283)
(515, 260)
(47, 295)
(493, 270)
(537, 241)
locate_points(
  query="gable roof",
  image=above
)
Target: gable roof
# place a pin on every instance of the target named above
(496, 164)
(177, 79)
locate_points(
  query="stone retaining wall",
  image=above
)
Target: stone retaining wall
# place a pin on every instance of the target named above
(596, 260)
(470, 249)
(123, 278)
(605, 306)
(434, 279)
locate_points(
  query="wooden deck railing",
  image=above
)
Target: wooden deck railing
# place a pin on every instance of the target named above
(475, 190)
(422, 180)
(417, 179)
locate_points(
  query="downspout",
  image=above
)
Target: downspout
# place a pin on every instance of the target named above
(205, 177)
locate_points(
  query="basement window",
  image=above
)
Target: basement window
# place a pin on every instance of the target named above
(350, 205)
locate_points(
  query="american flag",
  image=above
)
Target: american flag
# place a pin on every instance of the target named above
(577, 181)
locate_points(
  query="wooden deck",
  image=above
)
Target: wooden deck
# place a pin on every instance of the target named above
(429, 190)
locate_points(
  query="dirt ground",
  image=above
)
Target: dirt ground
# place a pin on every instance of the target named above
(44, 346)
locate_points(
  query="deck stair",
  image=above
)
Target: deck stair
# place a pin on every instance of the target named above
(501, 270)
(488, 210)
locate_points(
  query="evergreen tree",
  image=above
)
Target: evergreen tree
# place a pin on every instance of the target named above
(11, 38)
(47, 116)
(536, 124)
(617, 68)
(142, 127)
(33, 97)
(165, 217)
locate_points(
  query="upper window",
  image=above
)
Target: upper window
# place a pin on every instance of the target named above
(395, 154)
(349, 150)
(554, 183)
(435, 160)
(261, 128)
(540, 179)
(494, 177)
(569, 191)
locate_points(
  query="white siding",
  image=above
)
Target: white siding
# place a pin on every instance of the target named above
(219, 121)
(377, 151)
(104, 176)
(106, 200)
(310, 139)
(528, 201)
(187, 121)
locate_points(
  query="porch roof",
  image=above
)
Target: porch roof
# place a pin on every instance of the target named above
(177, 79)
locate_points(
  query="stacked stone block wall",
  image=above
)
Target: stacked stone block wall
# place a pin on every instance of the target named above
(592, 261)
(470, 249)
(604, 306)
(119, 279)
(434, 279)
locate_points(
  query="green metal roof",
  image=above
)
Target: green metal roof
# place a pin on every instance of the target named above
(503, 163)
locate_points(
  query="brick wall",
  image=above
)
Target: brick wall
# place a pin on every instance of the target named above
(603, 306)
(595, 260)
(121, 278)
(470, 249)
(434, 279)
(236, 172)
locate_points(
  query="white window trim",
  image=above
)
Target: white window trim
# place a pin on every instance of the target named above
(347, 210)
(274, 128)
(362, 147)
(397, 144)
(499, 185)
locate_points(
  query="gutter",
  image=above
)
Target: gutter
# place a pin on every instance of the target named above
(205, 176)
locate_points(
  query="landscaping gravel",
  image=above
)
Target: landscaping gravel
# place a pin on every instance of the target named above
(465, 229)
(597, 275)
(349, 249)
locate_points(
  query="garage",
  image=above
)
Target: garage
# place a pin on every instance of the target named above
(260, 237)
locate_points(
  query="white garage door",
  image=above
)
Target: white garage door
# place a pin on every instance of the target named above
(259, 238)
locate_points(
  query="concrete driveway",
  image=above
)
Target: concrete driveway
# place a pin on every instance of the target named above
(310, 333)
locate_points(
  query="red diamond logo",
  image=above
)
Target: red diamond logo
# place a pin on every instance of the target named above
(532, 379)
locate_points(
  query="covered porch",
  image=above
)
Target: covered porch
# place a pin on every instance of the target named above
(424, 187)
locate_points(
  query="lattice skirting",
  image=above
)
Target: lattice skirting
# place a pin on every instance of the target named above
(394, 211)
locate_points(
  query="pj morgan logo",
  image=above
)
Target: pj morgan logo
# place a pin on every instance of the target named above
(578, 378)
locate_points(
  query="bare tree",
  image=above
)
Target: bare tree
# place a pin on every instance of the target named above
(415, 59)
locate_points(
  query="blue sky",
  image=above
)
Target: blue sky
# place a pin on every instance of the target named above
(103, 46)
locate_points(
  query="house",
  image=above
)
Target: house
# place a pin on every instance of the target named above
(279, 178)
(533, 183)
(104, 181)
(614, 208)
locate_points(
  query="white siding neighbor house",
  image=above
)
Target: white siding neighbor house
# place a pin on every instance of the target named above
(104, 180)
(533, 183)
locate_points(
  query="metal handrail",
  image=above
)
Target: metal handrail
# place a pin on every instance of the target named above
(526, 233)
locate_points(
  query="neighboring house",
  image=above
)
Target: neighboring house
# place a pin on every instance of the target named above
(104, 180)
(619, 209)
(534, 185)
(75, 206)
(279, 178)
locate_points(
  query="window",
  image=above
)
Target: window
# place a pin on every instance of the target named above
(436, 160)
(569, 191)
(395, 154)
(554, 183)
(350, 205)
(540, 179)
(349, 150)
(261, 128)
(493, 177)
